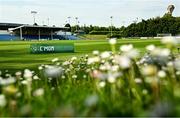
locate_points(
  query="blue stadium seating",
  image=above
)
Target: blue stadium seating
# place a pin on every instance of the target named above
(7, 37)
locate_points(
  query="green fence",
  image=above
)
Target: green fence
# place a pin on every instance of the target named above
(51, 48)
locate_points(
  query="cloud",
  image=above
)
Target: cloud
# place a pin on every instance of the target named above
(95, 12)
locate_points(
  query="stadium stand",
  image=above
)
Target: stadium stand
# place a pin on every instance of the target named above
(10, 31)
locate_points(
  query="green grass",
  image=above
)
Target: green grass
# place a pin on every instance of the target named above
(95, 37)
(76, 89)
(15, 55)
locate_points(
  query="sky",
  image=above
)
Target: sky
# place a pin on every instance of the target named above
(89, 12)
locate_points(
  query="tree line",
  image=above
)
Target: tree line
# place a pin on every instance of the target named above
(145, 28)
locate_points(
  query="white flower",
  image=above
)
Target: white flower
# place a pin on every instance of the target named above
(46, 66)
(3, 101)
(8, 75)
(29, 80)
(138, 80)
(7, 81)
(91, 100)
(150, 47)
(74, 76)
(102, 84)
(35, 77)
(161, 52)
(170, 41)
(93, 60)
(68, 70)
(24, 82)
(126, 48)
(73, 58)
(112, 41)
(52, 89)
(18, 73)
(98, 74)
(40, 67)
(39, 92)
(63, 77)
(144, 91)
(27, 73)
(102, 67)
(123, 61)
(105, 55)
(132, 53)
(84, 76)
(177, 64)
(18, 94)
(178, 73)
(170, 64)
(103, 61)
(115, 68)
(149, 70)
(96, 52)
(55, 60)
(58, 64)
(49, 79)
(53, 71)
(66, 63)
(112, 76)
(111, 79)
(88, 70)
(165, 52)
(161, 74)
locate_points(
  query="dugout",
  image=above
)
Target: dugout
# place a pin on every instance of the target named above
(36, 32)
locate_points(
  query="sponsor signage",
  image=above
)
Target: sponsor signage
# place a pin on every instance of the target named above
(51, 48)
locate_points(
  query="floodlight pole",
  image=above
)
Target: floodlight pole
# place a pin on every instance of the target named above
(39, 33)
(76, 23)
(111, 24)
(34, 15)
(21, 33)
(69, 19)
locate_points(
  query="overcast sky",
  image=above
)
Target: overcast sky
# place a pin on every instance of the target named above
(95, 12)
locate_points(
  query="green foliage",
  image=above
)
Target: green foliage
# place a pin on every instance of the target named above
(103, 32)
(95, 30)
(145, 28)
(114, 35)
(68, 26)
(106, 84)
(151, 27)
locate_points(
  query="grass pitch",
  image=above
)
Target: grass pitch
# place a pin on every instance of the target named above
(15, 55)
(82, 89)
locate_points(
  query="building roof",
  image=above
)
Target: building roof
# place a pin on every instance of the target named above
(37, 27)
(5, 26)
(15, 26)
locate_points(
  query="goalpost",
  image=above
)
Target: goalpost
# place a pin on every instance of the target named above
(164, 34)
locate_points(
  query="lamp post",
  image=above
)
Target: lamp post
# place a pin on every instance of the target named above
(111, 24)
(69, 19)
(76, 23)
(34, 15)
